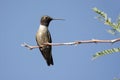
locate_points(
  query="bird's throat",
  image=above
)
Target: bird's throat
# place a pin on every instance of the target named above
(43, 28)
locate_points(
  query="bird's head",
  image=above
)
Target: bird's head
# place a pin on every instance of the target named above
(45, 20)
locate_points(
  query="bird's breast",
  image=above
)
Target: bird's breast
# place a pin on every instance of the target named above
(42, 35)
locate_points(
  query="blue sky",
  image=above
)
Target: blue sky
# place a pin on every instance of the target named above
(19, 21)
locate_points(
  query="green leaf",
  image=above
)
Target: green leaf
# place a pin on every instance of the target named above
(102, 16)
(104, 52)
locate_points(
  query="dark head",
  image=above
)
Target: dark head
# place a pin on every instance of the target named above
(45, 20)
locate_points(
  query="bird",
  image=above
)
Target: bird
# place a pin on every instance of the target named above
(43, 36)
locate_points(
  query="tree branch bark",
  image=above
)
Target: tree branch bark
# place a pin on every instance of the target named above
(72, 43)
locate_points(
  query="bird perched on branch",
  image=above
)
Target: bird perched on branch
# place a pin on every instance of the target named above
(43, 36)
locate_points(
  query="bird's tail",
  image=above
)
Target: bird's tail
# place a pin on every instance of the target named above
(50, 61)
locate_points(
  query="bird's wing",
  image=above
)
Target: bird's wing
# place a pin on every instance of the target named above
(46, 50)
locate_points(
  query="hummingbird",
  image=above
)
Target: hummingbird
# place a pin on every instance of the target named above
(43, 36)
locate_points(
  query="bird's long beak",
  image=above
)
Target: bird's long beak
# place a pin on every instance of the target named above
(57, 19)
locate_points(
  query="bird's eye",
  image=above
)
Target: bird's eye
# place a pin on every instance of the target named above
(46, 18)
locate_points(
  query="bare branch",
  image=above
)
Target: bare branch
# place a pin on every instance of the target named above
(72, 43)
(29, 46)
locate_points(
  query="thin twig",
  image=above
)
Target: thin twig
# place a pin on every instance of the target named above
(72, 43)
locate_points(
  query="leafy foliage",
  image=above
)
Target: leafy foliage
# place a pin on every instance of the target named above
(104, 52)
(102, 16)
